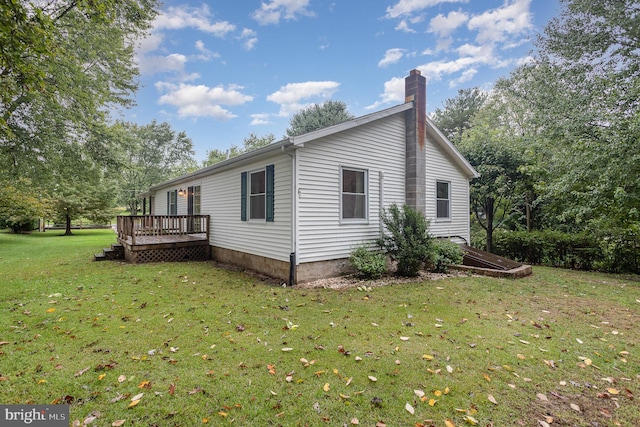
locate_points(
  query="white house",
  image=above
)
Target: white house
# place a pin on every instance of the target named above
(296, 208)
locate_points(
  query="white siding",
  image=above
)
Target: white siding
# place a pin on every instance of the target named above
(441, 168)
(221, 199)
(377, 147)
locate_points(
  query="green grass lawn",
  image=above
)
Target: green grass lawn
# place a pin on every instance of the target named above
(187, 344)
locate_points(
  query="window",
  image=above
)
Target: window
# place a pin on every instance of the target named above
(257, 194)
(354, 194)
(442, 200)
(193, 200)
(196, 200)
(172, 202)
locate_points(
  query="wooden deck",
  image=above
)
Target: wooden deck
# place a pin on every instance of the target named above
(157, 238)
(142, 240)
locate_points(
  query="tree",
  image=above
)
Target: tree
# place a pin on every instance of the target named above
(63, 66)
(22, 205)
(149, 154)
(318, 116)
(456, 115)
(53, 49)
(489, 146)
(88, 194)
(250, 143)
(582, 90)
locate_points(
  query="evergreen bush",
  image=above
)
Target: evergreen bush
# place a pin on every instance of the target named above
(445, 254)
(369, 264)
(406, 239)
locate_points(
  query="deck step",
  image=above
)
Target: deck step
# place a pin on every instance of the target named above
(115, 252)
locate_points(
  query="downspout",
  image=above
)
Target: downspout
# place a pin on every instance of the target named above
(293, 261)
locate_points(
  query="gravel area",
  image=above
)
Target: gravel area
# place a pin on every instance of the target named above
(351, 281)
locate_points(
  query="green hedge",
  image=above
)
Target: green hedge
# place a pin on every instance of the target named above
(611, 252)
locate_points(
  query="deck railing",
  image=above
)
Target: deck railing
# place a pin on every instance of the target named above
(162, 225)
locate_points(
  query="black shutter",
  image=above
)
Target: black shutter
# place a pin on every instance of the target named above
(270, 193)
(243, 196)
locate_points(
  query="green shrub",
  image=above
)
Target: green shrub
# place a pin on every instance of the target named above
(553, 248)
(406, 239)
(367, 263)
(446, 253)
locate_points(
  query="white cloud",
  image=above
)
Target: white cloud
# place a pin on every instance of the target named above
(404, 26)
(464, 77)
(391, 56)
(290, 96)
(205, 54)
(495, 25)
(409, 7)
(260, 119)
(249, 38)
(152, 64)
(178, 17)
(443, 26)
(275, 10)
(393, 93)
(201, 100)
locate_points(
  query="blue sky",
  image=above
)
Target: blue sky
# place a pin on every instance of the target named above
(220, 70)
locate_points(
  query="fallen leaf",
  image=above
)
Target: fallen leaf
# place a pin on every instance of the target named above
(122, 378)
(437, 393)
(51, 310)
(133, 403)
(471, 420)
(326, 387)
(432, 402)
(404, 338)
(613, 391)
(419, 393)
(427, 357)
(575, 407)
(579, 341)
(287, 349)
(521, 356)
(118, 423)
(492, 399)
(449, 369)
(449, 423)
(486, 377)
(542, 397)
(101, 377)
(137, 397)
(372, 378)
(354, 421)
(409, 408)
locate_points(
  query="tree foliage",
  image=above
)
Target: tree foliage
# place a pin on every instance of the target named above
(250, 143)
(318, 116)
(74, 55)
(149, 154)
(22, 205)
(457, 113)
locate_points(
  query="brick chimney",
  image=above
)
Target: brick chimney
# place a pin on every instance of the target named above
(415, 89)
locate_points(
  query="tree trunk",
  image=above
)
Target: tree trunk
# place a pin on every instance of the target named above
(67, 231)
(489, 213)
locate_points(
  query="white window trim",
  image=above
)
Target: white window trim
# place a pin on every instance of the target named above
(249, 194)
(364, 220)
(442, 218)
